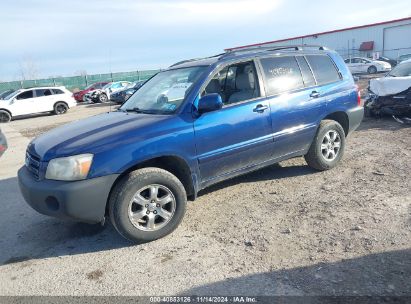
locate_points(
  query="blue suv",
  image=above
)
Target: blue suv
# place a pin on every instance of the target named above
(195, 124)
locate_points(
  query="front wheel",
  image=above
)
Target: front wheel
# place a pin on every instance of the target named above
(327, 147)
(103, 98)
(4, 116)
(147, 204)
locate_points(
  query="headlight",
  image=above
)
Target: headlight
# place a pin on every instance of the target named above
(69, 168)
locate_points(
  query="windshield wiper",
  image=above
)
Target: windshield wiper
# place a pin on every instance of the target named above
(138, 110)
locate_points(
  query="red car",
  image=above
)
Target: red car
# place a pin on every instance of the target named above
(78, 96)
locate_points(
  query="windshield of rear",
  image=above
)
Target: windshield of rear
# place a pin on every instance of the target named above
(165, 92)
(401, 70)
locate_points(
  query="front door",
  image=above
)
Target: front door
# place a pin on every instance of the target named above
(238, 135)
(23, 103)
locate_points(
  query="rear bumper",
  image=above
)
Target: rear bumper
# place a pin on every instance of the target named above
(83, 201)
(355, 117)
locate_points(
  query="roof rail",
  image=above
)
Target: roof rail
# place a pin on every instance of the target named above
(195, 59)
(272, 48)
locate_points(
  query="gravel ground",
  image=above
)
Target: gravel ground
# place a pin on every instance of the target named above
(283, 230)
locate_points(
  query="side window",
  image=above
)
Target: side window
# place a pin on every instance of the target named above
(323, 68)
(43, 92)
(347, 60)
(308, 76)
(25, 95)
(235, 83)
(281, 74)
(57, 91)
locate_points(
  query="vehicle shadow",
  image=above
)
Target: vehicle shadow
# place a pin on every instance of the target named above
(43, 114)
(27, 235)
(276, 171)
(381, 274)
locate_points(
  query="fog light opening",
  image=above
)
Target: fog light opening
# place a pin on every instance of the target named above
(52, 203)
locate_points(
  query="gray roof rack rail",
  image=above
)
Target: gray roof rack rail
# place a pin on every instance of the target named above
(195, 59)
(272, 48)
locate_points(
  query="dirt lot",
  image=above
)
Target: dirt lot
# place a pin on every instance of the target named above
(283, 230)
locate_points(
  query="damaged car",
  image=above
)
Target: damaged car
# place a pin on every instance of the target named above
(391, 95)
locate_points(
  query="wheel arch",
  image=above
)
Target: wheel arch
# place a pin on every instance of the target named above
(342, 118)
(6, 110)
(61, 101)
(171, 163)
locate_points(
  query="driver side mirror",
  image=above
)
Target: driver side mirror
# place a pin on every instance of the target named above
(210, 102)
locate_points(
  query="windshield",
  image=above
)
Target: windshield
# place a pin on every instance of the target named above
(107, 86)
(10, 96)
(165, 92)
(401, 70)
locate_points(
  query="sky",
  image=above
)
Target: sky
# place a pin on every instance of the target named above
(45, 38)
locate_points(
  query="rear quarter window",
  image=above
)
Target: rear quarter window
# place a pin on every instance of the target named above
(57, 91)
(282, 74)
(323, 68)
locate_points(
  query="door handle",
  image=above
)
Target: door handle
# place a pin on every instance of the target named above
(315, 94)
(260, 108)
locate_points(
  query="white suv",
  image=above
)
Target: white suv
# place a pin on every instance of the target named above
(36, 100)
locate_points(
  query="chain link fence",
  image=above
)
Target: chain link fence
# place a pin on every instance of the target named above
(78, 82)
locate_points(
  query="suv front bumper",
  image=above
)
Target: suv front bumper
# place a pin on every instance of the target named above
(83, 201)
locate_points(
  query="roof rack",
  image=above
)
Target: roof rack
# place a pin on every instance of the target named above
(272, 48)
(195, 59)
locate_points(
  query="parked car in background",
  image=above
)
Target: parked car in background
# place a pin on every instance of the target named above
(79, 96)
(114, 87)
(36, 100)
(404, 57)
(191, 126)
(96, 96)
(393, 62)
(3, 143)
(6, 93)
(359, 65)
(123, 95)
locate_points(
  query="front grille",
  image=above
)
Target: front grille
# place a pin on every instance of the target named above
(33, 164)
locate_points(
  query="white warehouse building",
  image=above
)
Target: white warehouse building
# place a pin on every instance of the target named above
(390, 39)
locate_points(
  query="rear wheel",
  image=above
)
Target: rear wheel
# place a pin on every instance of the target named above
(60, 108)
(327, 147)
(147, 204)
(4, 116)
(372, 70)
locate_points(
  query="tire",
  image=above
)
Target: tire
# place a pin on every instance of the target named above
(103, 98)
(319, 155)
(372, 70)
(5, 116)
(60, 108)
(124, 202)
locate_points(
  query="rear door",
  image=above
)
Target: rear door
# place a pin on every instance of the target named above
(295, 101)
(237, 136)
(44, 100)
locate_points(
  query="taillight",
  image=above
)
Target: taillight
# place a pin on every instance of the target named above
(358, 96)
(2, 148)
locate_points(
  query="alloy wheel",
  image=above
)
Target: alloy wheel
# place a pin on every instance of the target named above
(152, 207)
(331, 145)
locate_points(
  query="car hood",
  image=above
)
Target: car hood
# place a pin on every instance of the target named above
(93, 135)
(389, 85)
